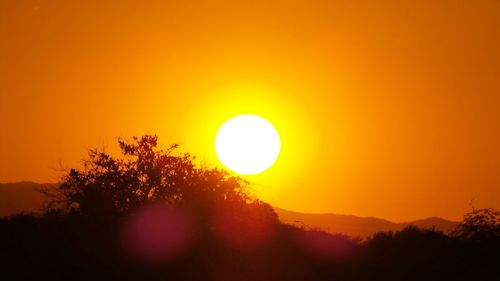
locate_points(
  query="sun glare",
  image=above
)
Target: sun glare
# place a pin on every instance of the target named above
(247, 144)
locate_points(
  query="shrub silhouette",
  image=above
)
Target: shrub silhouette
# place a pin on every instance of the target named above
(184, 222)
(479, 225)
(107, 186)
(146, 174)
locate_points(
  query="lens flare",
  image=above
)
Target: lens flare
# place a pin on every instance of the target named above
(158, 233)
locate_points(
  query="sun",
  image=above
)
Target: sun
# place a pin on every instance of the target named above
(247, 144)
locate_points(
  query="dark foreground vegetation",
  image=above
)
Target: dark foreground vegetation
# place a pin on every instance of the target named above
(153, 214)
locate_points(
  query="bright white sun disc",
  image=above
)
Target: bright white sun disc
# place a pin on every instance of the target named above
(247, 144)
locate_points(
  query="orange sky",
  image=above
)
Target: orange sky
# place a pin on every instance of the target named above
(385, 108)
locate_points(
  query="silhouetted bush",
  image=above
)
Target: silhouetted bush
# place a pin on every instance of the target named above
(479, 225)
(151, 214)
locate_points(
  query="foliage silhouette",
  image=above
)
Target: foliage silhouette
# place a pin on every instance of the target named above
(479, 224)
(153, 198)
(146, 174)
(108, 187)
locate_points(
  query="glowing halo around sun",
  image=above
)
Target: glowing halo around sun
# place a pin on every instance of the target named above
(247, 144)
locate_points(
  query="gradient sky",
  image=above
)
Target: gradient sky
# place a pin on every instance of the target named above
(385, 108)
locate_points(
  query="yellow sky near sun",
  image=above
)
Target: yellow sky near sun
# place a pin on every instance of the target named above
(384, 108)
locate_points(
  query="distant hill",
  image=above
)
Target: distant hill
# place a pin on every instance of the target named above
(357, 226)
(21, 197)
(24, 197)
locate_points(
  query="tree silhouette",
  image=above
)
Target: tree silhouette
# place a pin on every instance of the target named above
(109, 187)
(144, 174)
(479, 225)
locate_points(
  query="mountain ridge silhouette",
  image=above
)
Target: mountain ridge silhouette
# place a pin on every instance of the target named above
(358, 226)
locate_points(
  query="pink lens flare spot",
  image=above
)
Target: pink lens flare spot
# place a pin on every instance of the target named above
(158, 233)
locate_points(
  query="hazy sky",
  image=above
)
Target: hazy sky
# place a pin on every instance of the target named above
(385, 108)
